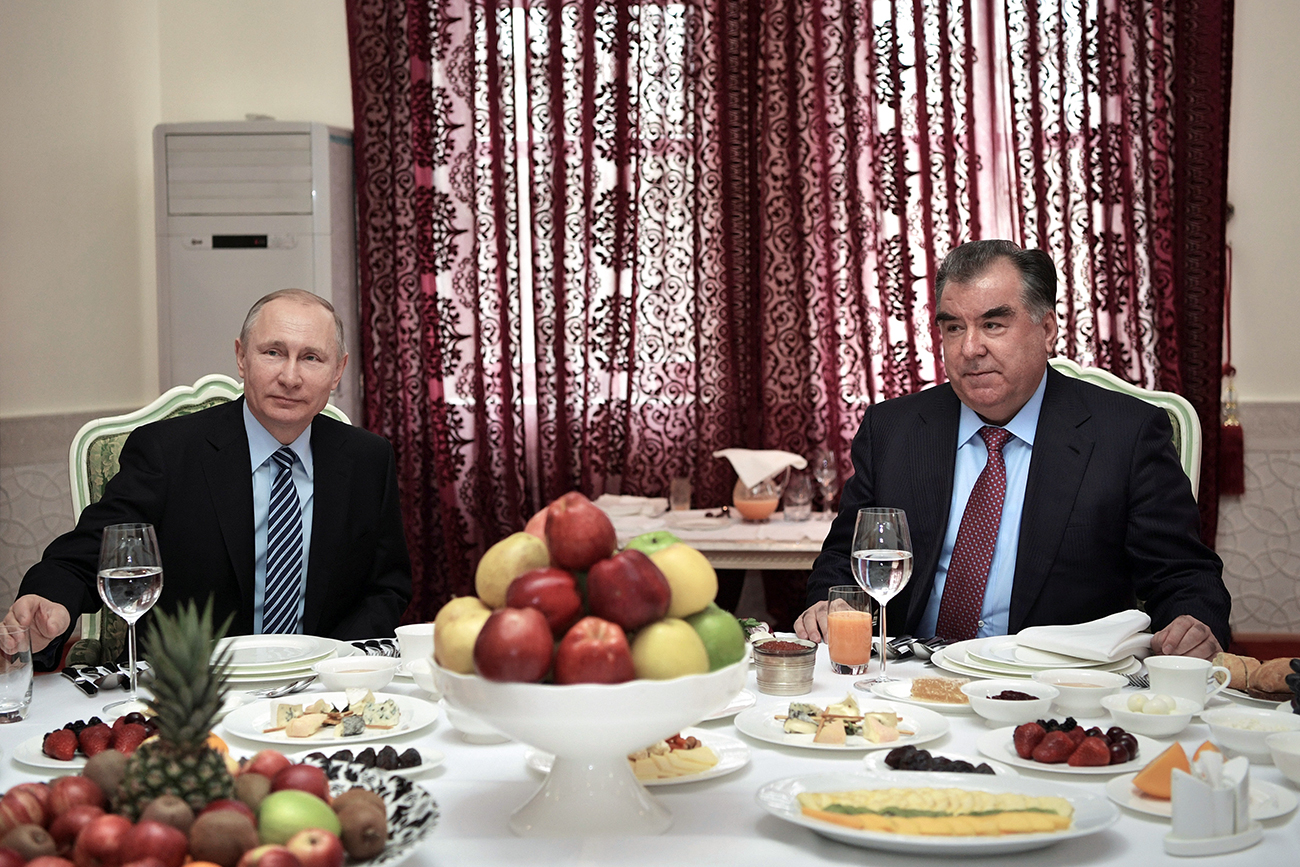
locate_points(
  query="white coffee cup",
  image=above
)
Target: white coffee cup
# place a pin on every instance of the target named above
(415, 640)
(1187, 677)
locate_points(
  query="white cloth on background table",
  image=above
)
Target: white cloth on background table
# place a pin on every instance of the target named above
(623, 504)
(754, 465)
(1105, 640)
(692, 526)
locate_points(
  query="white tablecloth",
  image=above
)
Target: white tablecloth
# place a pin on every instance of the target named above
(716, 822)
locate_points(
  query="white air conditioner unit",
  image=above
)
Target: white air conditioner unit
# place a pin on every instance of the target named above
(243, 209)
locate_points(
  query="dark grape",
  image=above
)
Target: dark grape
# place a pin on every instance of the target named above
(1118, 753)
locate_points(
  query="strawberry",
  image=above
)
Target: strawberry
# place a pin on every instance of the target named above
(1092, 752)
(1077, 734)
(60, 744)
(128, 737)
(1026, 737)
(1054, 748)
(95, 739)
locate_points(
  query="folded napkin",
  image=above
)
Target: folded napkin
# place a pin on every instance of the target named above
(623, 505)
(754, 465)
(1105, 640)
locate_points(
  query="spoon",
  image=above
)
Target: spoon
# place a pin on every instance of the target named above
(724, 512)
(924, 648)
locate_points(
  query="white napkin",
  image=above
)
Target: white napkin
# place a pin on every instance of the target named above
(754, 465)
(1213, 800)
(1105, 640)
(623, 504)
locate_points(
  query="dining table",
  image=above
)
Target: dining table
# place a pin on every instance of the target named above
(717, 821)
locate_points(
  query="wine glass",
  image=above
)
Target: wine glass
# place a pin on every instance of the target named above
(130, 581)
(882, 565)
(824, 472)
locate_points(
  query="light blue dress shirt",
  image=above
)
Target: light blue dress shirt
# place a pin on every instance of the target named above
(972, 455)
(261, 446)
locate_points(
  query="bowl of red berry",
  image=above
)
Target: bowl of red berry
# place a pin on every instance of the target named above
(1009, 702)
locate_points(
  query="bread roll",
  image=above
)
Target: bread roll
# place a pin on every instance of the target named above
(1270, 678)
(1241, 668)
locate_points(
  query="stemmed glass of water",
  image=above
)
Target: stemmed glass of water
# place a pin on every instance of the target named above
(130, 581)
(824, 472)
(882, 565)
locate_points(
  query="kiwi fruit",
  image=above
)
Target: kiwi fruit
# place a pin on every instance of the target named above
(106, 768)
(251, 788)
(358, 795)
(365, 830)
(222, 836)
(170, 810)
(32, 841)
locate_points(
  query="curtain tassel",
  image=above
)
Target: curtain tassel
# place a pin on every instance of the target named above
(1232, 454)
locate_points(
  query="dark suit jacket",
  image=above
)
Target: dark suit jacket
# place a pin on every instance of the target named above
(1109, 515)
(192, 479)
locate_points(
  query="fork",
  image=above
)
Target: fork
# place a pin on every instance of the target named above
(1141, 681)
(283, 689)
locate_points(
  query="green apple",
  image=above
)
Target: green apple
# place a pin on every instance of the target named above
(504, 562)
(286, 812)
(656, 540)
(455, 630)
(690, 575)
(668, 648)
(721, 633)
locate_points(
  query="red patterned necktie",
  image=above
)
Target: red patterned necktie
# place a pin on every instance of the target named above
(968, 570)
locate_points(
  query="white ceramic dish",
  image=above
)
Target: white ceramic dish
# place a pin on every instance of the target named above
(1081, 689)
(1005, 651)
(942, 660)
(1000, 712)
(429, 760)
(1225, 730)
(761, 723)
(1284, 747)
(732, 754)
(472, 729)
(901, 690)
(250, 653)
(356, 672)
(412, 812)
(415, 640)
(997, 744)
(1242, 697)
(1092, 813)
(29, 753)
(744, 699)
(251, 720)
(421, 671)
(874, 762)
(1267, 800)
(1156, 725)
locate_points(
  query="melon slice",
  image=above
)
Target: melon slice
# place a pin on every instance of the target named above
(1153, 780)
(1206, 747)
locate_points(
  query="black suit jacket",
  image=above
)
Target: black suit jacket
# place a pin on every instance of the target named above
(192, 479)
(1109, 515)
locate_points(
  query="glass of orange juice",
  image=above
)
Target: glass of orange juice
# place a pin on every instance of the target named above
(848, 629)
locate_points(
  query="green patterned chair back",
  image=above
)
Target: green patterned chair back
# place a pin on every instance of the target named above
(1186, 424)
(93, 460)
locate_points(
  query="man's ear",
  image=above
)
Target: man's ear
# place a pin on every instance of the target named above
(338, 374)
(239, 358)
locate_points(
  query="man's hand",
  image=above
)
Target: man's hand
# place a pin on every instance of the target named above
(1186, 636)
(812, 623)
(44, 620)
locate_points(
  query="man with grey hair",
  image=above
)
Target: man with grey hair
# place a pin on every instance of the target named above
(288, 519)
(1032, 498)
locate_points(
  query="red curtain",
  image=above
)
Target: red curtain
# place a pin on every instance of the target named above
(600, 240)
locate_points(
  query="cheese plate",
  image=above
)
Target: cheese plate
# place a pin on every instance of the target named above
(256, 721)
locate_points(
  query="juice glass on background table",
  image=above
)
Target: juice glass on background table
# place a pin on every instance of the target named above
(848, 629)
(882, 565)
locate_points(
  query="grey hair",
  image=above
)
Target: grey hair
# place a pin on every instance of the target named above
(1037, 272)
(300, 295)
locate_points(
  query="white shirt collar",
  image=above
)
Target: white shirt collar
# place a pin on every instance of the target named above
(1022, 426)
(261, 445)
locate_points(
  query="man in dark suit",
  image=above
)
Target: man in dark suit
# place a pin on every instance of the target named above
(1089, 512)
(206, 480)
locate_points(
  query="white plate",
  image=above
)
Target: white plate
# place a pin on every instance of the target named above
(1092, 813)
(875, 763)
(412, 812)
(943, 660)
(1243, 697)
(249, 721)
(997, 744)
(733, 755)
(1006, 651)
(1285, 707)
(743, 699)
(29, 753)
(761, 723)
(1267, 800)
(901, 690)
(249, 653)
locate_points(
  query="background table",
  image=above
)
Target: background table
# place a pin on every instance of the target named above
(775, 544)
(716, 822)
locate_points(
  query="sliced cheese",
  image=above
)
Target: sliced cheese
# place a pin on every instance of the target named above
(880, 728)
(831, 732)
(306, 725)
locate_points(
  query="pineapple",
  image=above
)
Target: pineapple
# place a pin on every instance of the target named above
(187, 693)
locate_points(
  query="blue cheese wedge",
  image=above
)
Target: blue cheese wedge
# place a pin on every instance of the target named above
(384, 713)
(286, 713)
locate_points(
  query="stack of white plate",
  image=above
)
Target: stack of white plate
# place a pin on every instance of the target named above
(1004, 656)
(269, 659)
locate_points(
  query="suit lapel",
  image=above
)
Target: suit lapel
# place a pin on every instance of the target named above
(229, 475)
(933, 458)
(332, 477)
(1060, 457)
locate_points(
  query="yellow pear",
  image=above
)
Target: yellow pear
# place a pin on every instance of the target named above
(455, 630)
(668, 648)
(504, 562)
(691, 577)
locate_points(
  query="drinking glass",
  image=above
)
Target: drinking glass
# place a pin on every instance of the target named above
(15, 673)
(130, 581)
(824, 471)
(679, 494)
(848, 629)
(882, 565)
(798, 498)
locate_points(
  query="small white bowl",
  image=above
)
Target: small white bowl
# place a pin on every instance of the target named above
(1081, 689)
(1002, 712)
(472, 729)
(421, 671)
(1228, 730)
(1155, 725)
(1284, 747)
(346, 672)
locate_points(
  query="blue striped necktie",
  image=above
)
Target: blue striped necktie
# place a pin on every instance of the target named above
(283, 550)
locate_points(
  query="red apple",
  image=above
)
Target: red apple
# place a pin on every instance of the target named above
(305, 778)
(20, 806)
(149, 838)
(10, 858)
(628, 589)
(316, 847)
(100, 843)
(68, 792)
(50, 861)
(594, 651)
(551, 591)
(269, 856)
(578, 533)
(40, 791)
(514, 644)
(268, 763)
(236, 805)
(68, 824)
